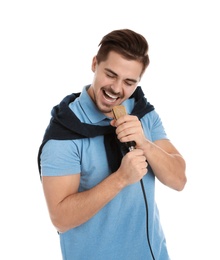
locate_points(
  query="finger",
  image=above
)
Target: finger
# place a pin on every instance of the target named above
(126, 119)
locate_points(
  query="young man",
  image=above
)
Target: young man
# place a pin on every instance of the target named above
(100, 196)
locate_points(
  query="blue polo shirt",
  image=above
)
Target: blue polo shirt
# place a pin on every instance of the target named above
(118, 231)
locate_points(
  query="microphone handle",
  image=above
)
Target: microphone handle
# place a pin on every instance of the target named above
(119, 111)
(130, 145)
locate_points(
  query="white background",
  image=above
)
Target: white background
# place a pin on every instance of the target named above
(46, 48)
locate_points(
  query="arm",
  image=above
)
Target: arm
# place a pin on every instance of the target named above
(166, 162)
(69, 208)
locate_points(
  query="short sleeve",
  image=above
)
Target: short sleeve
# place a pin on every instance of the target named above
(153, 126)
(59, 158)
(158, 132)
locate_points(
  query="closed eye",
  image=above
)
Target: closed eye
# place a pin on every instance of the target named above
(128, 83)
(110, 75)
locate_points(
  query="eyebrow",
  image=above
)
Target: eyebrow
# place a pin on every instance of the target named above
(109, 70)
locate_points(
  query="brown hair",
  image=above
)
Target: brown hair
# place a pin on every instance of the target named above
(131, 45)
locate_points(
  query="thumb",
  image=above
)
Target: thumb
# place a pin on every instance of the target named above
(112, 123)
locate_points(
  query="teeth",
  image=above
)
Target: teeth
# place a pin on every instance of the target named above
(110, 95)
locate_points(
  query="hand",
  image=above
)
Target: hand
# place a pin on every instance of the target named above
(128, 128)
(133, 167)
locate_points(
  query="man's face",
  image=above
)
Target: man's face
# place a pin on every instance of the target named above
(114, 81)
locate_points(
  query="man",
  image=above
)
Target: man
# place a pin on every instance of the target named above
(99, 194)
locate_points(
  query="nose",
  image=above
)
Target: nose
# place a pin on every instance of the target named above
(116, 87)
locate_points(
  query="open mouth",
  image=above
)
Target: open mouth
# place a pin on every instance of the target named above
(109, 96)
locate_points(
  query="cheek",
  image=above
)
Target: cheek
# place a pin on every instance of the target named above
(128, 91)
(101, 80)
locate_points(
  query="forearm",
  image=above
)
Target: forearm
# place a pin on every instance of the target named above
(69, 208)
(79, 207)
(168, 167)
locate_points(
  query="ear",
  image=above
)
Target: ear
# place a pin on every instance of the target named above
(94, 62)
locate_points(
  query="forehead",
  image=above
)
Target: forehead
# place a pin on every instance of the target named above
(120, 65)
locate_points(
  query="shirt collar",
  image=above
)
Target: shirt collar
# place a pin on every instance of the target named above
(89, 107)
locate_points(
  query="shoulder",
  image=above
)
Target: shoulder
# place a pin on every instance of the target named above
(60, 148)
(153, 126)
(60, 157)
(152, 118)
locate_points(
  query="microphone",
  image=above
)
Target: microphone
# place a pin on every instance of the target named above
(119, 111)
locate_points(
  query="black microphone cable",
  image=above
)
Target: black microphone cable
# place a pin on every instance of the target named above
(125, 148)
(119, 111)
(147, 226)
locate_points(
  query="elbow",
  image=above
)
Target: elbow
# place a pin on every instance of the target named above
(181, 178)
(59, 223)
(62, 222)
(180, 184)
